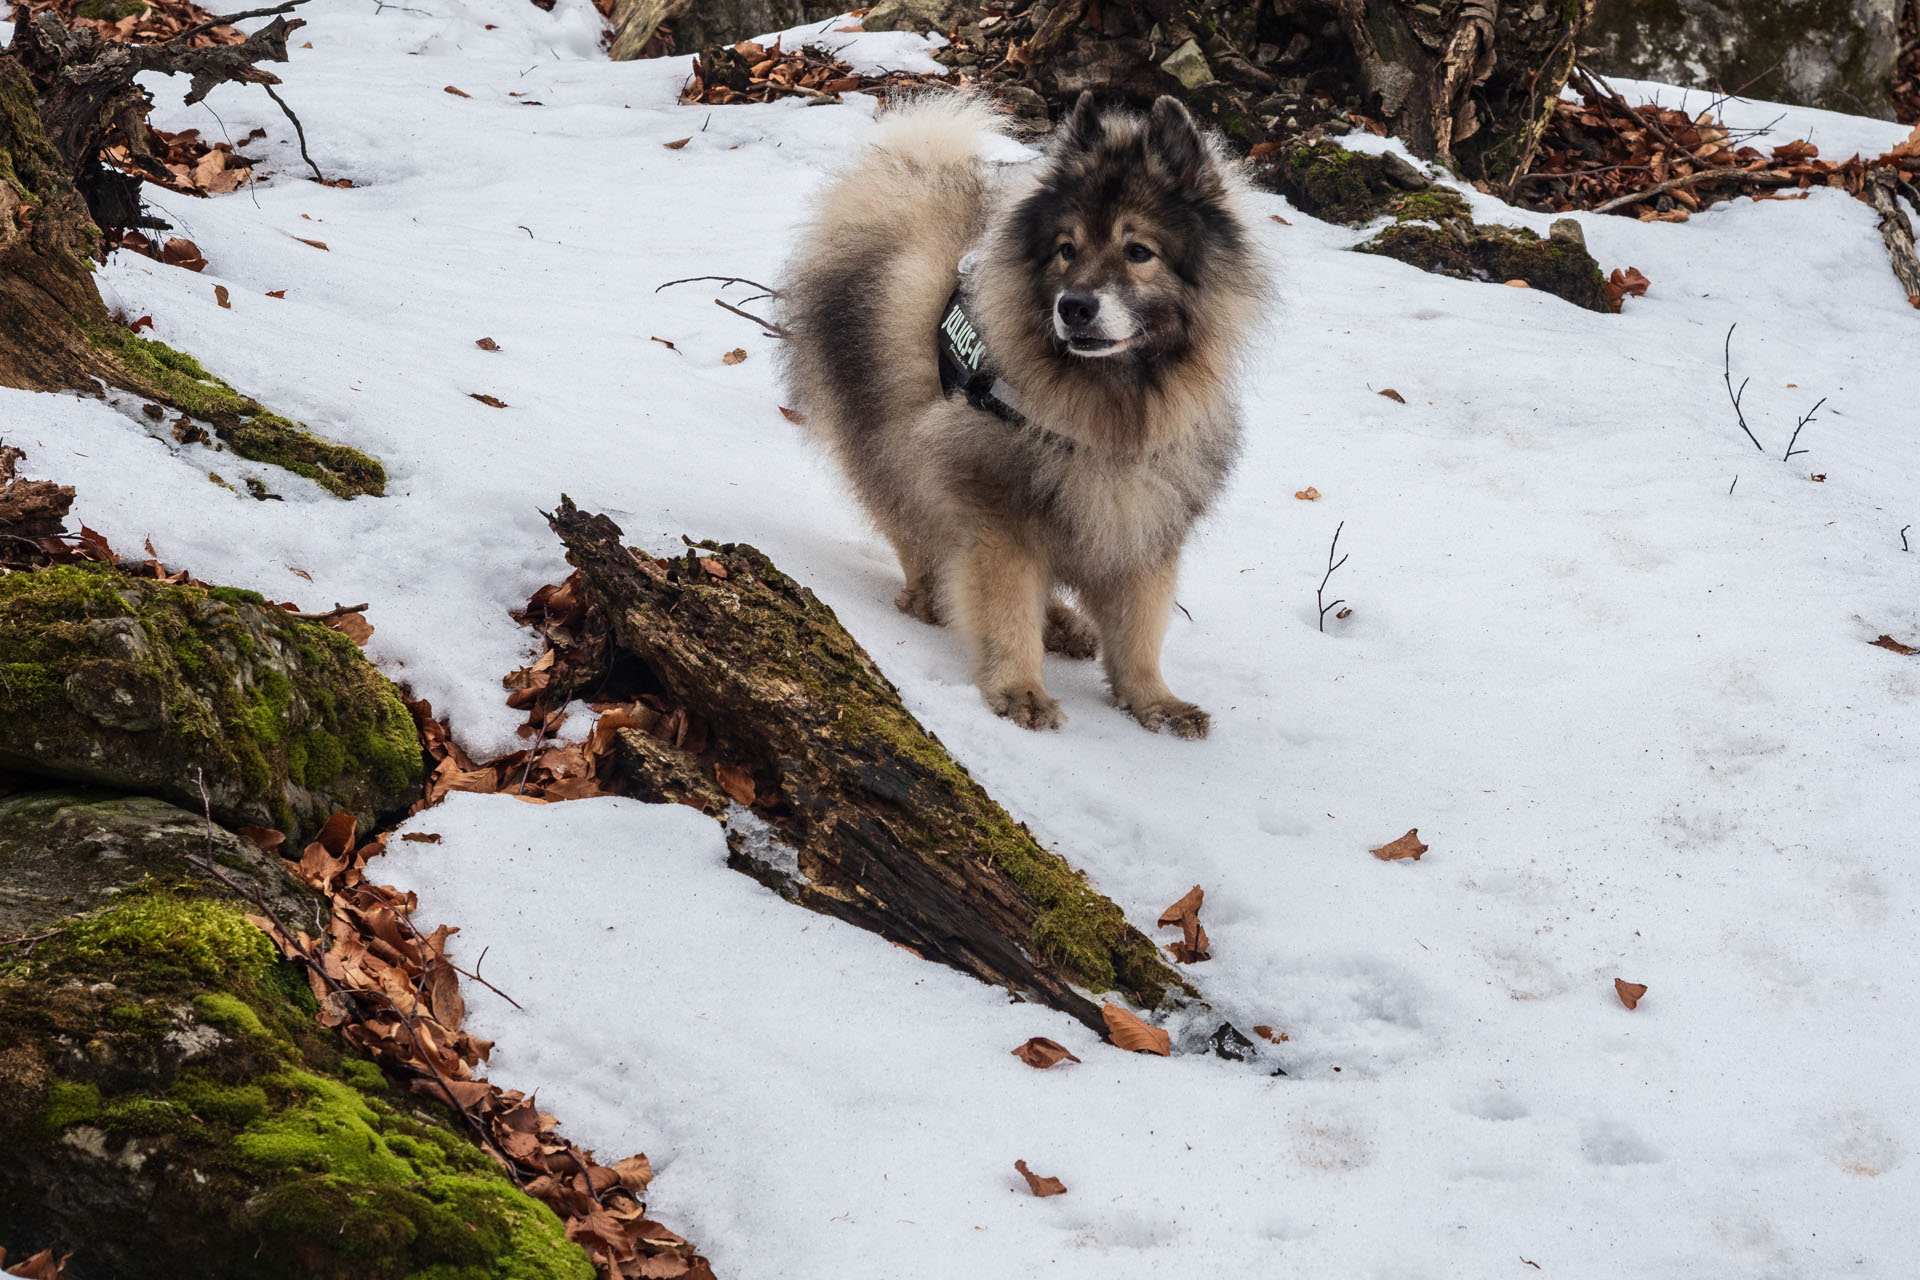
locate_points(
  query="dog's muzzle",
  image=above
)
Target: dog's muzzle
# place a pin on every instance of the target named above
(1091, 324)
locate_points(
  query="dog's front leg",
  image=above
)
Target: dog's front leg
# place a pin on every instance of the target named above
(1132, 614)
(1003, 601)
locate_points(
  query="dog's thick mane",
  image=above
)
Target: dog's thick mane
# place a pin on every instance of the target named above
(1131, 404)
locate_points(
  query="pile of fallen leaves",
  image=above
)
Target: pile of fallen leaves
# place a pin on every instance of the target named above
(391, 989)
(752, 72)
(185, 162)
(145, 21)
(1662, 165)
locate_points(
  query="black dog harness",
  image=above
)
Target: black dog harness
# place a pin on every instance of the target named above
(963, 365)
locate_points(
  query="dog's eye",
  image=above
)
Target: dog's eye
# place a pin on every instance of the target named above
(1066, 252)
(1138, 253)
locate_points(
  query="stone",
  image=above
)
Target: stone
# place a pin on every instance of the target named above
(146, 686)
(919, 15)
(1189, 66)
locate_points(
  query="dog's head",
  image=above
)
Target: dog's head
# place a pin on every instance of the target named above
(1126, 228)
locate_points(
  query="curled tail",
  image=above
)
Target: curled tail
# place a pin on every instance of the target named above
(938, 129)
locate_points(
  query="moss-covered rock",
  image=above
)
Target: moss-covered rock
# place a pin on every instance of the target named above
(1497, 254)
(69, 852)
(242, 423)
(174, 1110)
(1325, 180)
(146, 686)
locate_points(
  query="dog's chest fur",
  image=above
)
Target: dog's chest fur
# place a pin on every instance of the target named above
(1106, 517)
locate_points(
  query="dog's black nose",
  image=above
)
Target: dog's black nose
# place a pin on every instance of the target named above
(1077, 309)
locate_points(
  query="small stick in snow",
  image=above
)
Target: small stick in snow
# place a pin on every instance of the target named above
(1791, 451)
(726, 279)
(1736, 480)
(298, 132)
(1726, 372)
(1320, 595)
(338, 611)
(1903, 537)
(771, 329)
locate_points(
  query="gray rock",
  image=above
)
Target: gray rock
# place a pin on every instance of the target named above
(920, 15)
(68, 852)
(1567, 231)
(138, 685)
(1189, 66)
(1401, 172)
(1837, 54)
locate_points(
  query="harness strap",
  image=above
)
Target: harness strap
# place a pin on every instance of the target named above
(964, 368)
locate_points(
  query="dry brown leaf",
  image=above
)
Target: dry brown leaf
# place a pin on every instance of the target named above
(714, 569)
(262, 837)
(736, 782)
(43, 1265)
(1277, 218)
(1888, 642)
(1043, 1053)
(1629, 992)
(179, 252)
(486, 344)
(794, 416)
(318, 244)
(1308, 494)
(1345, 613)
(1038, 1185)
(495, 401)
(635, 1172)
(734, 356)
(675, 146)
(1407, 846)
(1393, 395)
(354, 626)
(221, 296)
(1188, 907)
(1133, 1035)
(1517, 284)
(422, 837)
(458, 93)
(336, 833)
(663, 342)
(276, 293)
(1269, 1034)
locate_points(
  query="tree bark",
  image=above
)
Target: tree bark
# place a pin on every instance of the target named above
(856, 811)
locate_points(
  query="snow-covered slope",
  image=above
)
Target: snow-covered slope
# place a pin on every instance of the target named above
(1635, 714)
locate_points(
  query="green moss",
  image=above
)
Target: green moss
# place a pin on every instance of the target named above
(315, 716)
(192, 939)
(274, 1151)
(242, 423)
(1436, 204)
(1497, 254)
(69, 1103)
(222, 1010)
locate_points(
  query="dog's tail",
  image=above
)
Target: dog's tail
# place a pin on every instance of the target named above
(939, 130)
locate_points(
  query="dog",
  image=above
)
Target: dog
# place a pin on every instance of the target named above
(1058, 415)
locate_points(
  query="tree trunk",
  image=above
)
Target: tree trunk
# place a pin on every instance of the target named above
(702, 24)
(856, 811)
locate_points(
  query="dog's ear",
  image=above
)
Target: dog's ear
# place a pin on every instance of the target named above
(1175, 139)
(1083, 126)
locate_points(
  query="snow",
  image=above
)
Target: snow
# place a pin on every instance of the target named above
(1635, 714)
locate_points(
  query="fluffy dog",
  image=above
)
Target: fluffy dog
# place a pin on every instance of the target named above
(1088, 418)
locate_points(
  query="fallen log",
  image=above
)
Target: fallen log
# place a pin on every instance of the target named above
(840, 800)
(1896, 231)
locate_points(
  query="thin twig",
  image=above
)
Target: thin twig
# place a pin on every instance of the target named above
(772, 330)
(228, 19)
(1726, 357)
(1736, 480)
(1319, 596)
(727, 279)
(297, 130)
(1791, 451)
(1903, 537)
(338, 611)
(1752, 176)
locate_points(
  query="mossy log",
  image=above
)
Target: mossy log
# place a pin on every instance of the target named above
(55, 332)
(172, 1108)
(1493, 254)
(856, 811)
(164, 689)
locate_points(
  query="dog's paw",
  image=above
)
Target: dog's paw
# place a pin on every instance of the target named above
(1069, 633)
(918, 601)
(1028, 707)
(1184, 718)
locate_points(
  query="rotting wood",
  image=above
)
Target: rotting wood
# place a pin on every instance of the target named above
(1895, 229)
(857, 811)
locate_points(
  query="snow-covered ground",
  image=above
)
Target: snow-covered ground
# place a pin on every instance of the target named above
(1635, 714)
